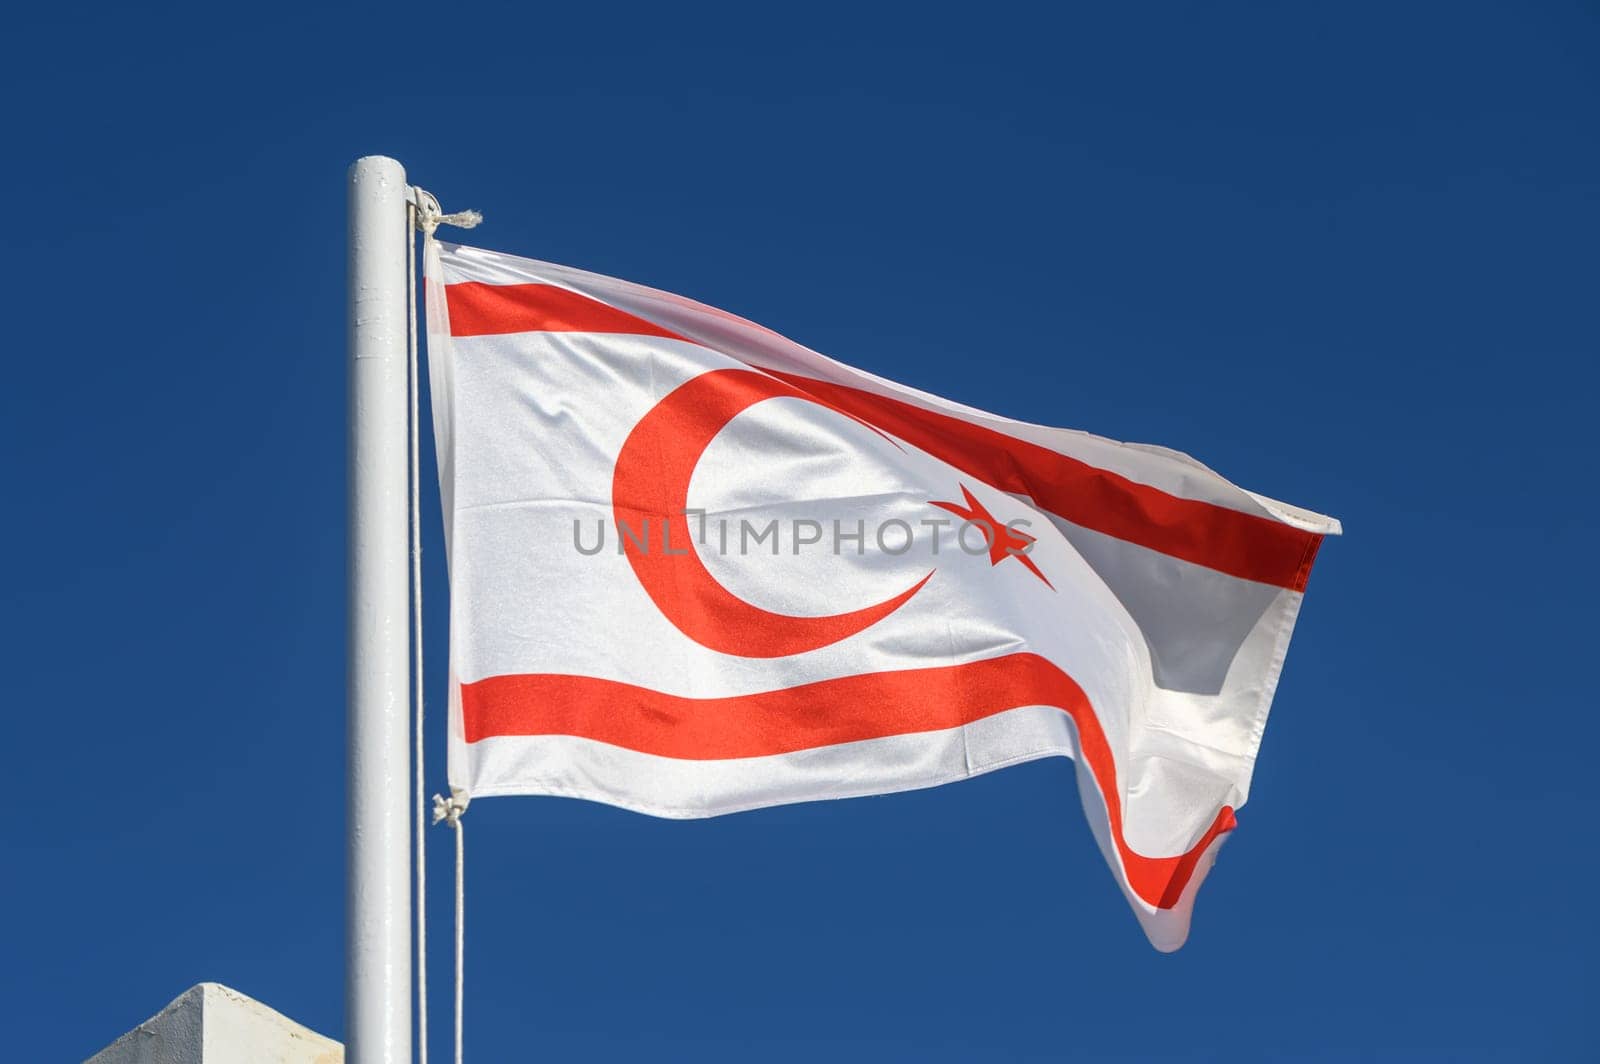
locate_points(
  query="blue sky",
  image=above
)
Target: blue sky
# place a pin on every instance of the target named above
(1345, 254)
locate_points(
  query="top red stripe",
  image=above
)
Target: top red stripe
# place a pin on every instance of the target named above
(1240, 544)
(478, 309)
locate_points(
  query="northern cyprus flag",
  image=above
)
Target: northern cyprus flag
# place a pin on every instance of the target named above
(697, 568)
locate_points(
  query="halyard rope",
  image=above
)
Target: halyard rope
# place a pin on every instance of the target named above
(449, 810)
(419, 777)
(430, 217)
(424, 215)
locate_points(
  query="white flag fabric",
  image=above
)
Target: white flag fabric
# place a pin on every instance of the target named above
(697, 568)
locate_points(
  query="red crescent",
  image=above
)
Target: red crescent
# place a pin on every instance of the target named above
(651, 482)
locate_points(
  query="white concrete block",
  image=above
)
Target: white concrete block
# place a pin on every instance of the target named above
(210, 1024)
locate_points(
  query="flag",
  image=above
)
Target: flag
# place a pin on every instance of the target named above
(697, 568)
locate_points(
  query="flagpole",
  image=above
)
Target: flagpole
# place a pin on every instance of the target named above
(378, 870)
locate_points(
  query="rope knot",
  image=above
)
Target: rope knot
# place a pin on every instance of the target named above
(430, 216)
(449, 810)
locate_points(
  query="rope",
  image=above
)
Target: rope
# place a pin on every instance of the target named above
(420, 776)
(449, 810)
(424, 215)
(430, 216)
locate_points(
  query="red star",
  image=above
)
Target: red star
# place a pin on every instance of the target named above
(1003, 542)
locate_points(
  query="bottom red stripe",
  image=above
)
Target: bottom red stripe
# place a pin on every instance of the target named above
(843, 710)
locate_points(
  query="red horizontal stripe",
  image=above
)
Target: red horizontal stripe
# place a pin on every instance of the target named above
(478, 309)
(1244, 545)
(1233, 542)
(825, 713)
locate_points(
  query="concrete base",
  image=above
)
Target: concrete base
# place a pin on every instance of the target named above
(210, 1024)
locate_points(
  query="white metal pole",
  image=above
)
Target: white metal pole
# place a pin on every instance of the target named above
(378, 885)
